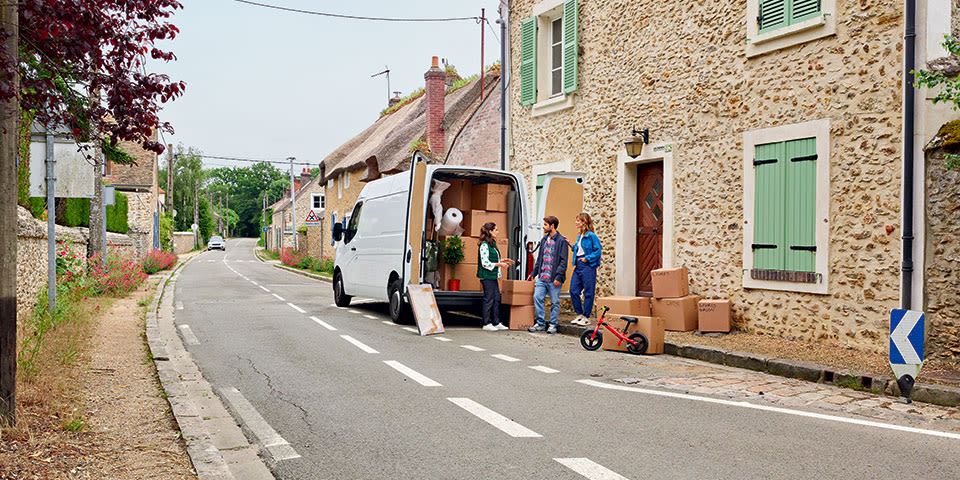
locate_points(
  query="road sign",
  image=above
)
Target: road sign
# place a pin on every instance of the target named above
(194, 227)
(312, 220)
(906, 343)
(109, 195)
(265, 229)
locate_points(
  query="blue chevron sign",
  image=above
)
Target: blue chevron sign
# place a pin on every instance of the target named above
(906, 342)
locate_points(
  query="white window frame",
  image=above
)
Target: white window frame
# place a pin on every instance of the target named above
(556, 89)
(806, 31)
(819, 129)
(346, 179)
(313, 202)
(329, 184)
(546, 12)
(340, 186)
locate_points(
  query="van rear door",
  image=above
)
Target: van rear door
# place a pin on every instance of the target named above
(561, 196)
(416, 205)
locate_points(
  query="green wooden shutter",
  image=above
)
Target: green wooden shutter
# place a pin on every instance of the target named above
(801, 10)
(528, 61)
(569, 46)
(800, 214)
(540, 179)
(772, 15)
(768, 234)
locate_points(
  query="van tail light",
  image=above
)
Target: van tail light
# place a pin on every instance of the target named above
(530, 259)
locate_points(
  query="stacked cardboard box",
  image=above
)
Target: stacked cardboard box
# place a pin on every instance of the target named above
(714, 315)
(473, 220)
(521, 317)
(516, 292)
(491, 197)
(650, 327)
(672, 300)
(471, 247)
(633, 306)
(459, 195)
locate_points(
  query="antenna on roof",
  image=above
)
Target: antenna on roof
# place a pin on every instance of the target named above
(387, 72)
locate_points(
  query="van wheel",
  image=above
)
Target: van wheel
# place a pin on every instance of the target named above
(399, 310)
(339, 298)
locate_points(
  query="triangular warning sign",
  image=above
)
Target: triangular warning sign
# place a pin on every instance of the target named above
(312, 217)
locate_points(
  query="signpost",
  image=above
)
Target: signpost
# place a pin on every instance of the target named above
(264, 229)
(312, 220)
(906, 348)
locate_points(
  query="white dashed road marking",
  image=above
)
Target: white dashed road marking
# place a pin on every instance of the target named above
(358, 344)
(505, 425)
(387, 322)
(323, 324)
(473, 348)
(279, 297)
(279, 448)
(442, 339)
(371, 317)
(296, 308)
(541, 368)
(590, 469)
(179, 305)
(354, 311)
(413, 374)
(263, 288)
(505, 358)
(412, 330)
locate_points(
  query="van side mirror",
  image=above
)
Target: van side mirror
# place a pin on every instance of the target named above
(337, 232)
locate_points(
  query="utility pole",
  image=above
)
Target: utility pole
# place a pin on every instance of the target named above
(264, 224)
(293, 204)
(220, 220)
(9, 141)
(50, 163)
(169, 196)
(503, 90)
(196, 212)
(227, 229)
(483, 18)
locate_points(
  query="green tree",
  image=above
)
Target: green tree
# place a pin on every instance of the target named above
(947, 88)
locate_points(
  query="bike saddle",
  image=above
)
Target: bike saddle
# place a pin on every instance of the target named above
(629, 319)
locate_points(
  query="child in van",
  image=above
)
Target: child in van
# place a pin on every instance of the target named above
(488, 271)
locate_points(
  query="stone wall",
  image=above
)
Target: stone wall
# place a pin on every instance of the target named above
(680, 69)
(32, 255)
(183, 242)
(942, 263)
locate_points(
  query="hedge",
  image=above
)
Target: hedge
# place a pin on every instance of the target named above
(76, 212)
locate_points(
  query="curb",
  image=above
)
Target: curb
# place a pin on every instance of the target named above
(811, 372)
(184, 386)
(305, 274)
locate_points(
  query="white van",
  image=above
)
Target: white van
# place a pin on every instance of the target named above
(385, 244)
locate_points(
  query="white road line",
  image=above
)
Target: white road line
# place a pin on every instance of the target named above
(255, 283)
(371, 317)
(358, 344)
(590, 469)
(388, 322)
(541, 368)
(412, 330)
(279, 448)
(296, 308)
(505, 358)
(279, 297)
(179, 305)
(442, 339)
(188, 335)
(263, 288)
(505, 425)
(323, 324)
(413, 374)
(767, 408)
(473, 348)
(354, 311)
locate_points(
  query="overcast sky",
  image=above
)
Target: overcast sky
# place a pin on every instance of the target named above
(265, 83)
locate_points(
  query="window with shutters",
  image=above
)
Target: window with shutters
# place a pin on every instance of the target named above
(777, 24)
(786, 207)
(548, 57)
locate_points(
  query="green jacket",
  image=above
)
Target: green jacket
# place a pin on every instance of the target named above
(493, 258)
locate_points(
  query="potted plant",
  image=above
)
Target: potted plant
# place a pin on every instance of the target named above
(452, 255)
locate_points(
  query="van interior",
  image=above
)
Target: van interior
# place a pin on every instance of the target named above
(481, 197)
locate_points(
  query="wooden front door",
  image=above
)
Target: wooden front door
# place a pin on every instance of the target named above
(649, 224)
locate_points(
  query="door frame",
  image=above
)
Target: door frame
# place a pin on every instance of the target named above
(626, 218)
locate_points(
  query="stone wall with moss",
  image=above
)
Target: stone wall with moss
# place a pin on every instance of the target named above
(680, 69)
(942, 262)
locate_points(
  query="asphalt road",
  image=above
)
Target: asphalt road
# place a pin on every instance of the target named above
(420, 407)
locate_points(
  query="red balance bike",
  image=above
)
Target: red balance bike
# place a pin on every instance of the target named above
(592, 339)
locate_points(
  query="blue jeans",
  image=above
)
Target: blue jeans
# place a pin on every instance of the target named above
(540, 291)
(584, 280)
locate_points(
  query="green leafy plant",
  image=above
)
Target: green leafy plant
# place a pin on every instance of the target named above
(452, 251)
(947, 88)
(462, 83)
(403, 101)
(74, 425)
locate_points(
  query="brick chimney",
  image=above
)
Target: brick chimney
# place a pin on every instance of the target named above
(305, 177)
(435, 92)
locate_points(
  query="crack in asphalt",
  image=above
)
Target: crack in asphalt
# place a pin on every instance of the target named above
(283, 397)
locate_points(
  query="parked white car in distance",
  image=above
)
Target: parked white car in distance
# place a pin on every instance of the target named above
(217, 241)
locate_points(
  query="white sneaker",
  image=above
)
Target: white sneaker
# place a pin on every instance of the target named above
(501, 326)
(579, 320)
(490, 328)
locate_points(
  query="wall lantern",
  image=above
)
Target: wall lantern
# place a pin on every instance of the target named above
(636, 142)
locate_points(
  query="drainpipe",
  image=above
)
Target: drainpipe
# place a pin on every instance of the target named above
(503, 90)
(909, 41)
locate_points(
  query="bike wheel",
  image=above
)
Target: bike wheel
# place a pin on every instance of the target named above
(640, 344)
(591, 343)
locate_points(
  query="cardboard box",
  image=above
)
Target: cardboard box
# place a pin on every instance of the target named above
(458, 195)
(714, 315)
(514, 298)
(650, 327)
(471, 247)
(633, 306)
(518, 286)
(670, 282)
(679, 314)
(521, 317)
(490, 196)
(465, 272)
(474, 219)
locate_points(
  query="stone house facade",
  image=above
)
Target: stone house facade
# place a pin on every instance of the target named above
(139, 182)
(773, 165)
(311, 195)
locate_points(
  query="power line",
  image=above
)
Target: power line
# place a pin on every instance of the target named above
(357, 17)
(236, 159)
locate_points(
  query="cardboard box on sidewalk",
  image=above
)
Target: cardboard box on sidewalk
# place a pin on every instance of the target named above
(679, 314)
(714, 315)
(624, 305)
(474, 219)
(670, 282)
(490, 196)
(516, 292)
(521, 317)
(650, 327)
(459, 195)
